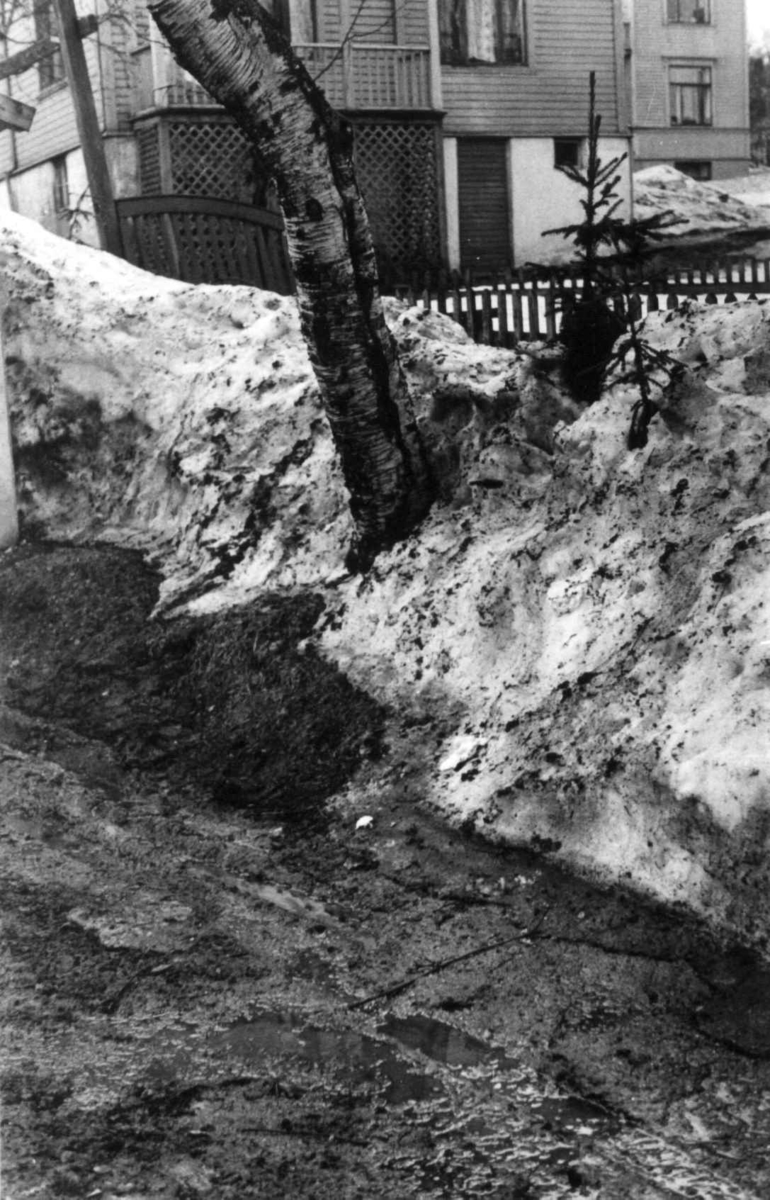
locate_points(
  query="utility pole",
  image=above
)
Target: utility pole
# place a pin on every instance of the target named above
(9, 522)
(16, 116)
(92, 145)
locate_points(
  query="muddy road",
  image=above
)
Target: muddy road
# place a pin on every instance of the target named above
(241, 959)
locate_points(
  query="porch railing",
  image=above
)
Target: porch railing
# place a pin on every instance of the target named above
(354, 75)
(364, 75)
(201, 240)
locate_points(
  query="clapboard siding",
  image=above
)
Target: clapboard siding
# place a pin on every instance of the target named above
(54, 129)
(6, 152)
(565, 42)
(329, 20)
(413, 27)
(122, 39)
(375, 22)
(379, 21)
(722, 44)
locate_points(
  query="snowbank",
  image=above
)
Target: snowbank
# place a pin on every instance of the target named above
(181, 419)
(609, 643)
(583, 631)
(699, 208)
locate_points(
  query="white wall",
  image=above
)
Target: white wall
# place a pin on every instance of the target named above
(541, 198)
(544, 198)
(451, 203)
(32, 195)
(31, 192)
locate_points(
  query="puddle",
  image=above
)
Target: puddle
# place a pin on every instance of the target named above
(35, 829)
(441, 1042)
(351, 1058)
(741, 1015)
(354, 1058)
(483, 1112)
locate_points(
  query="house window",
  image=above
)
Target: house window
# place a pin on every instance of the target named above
(61, 187)
(298, 19)
(689, 12)
(476, 32)
(50, 70)
(695, 169)
(690, 95)
(567, 152)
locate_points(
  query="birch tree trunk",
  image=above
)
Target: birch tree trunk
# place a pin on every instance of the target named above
(236, 51)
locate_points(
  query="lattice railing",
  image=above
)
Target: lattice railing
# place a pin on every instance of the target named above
(206, 241)
(359, 75)
(205, 154)
(397, 166)
(354, 75)
(210, 158)
(149, 160)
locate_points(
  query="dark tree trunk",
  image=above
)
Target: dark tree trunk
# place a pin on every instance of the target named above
(239, 55)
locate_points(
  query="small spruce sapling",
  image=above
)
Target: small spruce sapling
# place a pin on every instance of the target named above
(609, 252)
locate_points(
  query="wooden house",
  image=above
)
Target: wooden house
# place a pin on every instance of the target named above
(687, 68)
(462, 110)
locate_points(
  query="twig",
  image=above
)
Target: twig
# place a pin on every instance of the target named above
(395, 988)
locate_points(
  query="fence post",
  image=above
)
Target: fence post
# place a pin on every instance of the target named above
(470, 300)
(550, 308)
(534, 313)
(486, 318)
(502, 312)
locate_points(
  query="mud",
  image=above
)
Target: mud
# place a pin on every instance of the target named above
(218, 981)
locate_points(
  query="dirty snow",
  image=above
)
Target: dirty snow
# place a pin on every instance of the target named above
(700, 208)
(588, 626)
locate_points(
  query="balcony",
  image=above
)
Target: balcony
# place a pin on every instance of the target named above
(354, 76)
(360, 75)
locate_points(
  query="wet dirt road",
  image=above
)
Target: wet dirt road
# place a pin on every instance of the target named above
(226, 998)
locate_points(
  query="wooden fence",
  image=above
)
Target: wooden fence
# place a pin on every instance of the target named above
(528, 305)
(202, 240)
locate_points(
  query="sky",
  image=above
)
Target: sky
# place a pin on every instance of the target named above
(758, 15)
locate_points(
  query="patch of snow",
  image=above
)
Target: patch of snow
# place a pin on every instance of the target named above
(695, 207)
(593, 629)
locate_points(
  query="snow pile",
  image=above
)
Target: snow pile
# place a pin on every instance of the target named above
(607, 646)
(698, 208)
(753, 188)
(582, 631)
(184, 420)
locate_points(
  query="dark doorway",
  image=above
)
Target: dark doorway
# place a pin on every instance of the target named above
(485, 242)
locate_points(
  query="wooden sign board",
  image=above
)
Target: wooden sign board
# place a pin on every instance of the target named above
(15, 115)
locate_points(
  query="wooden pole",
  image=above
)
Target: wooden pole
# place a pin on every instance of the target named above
(88, 127)
(9, 525)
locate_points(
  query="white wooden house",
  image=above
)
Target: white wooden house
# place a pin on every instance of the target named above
(687, 67)
(462, 111)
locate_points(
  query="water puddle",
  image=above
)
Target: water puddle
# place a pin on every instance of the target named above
(35, 829)
(350, 1058)
(480, 1112)
(740, 1015)
(441, 1042)
(353, 1058)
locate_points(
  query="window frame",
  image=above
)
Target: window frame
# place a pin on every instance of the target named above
(704, 91)
(454, 24)
(561, 144)
(690, 167)
(703, 6)
(61, 186)
(50, 71)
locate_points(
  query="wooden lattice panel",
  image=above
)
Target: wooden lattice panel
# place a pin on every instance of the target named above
(210, 158)
(149, 160)
(398, 172)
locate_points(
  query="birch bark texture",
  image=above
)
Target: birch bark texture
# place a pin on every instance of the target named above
(243, 59)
